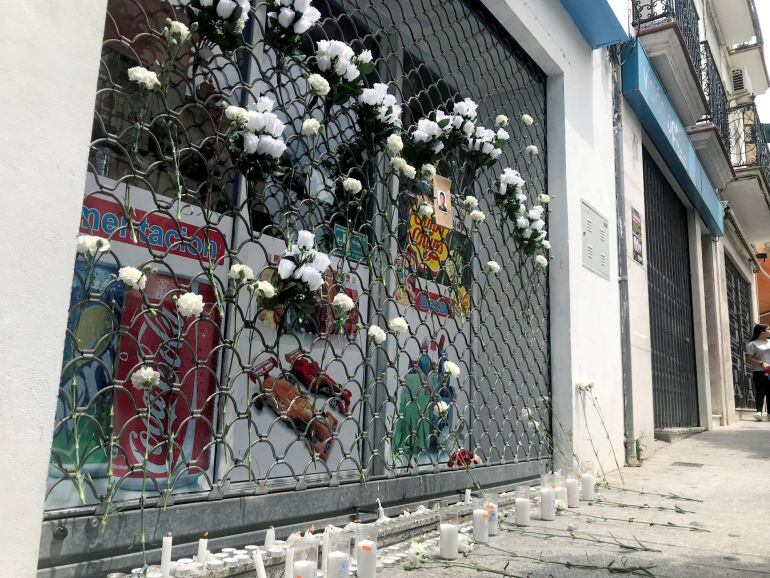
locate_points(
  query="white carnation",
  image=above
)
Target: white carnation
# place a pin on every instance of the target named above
(471, 202)
(241, 273)
(452, 369)
(263, 289)
(237, 114)
(343, 303)
(309, 275)
(318, 84)
(544, 199)
(311, 127)
(305, 239)
(398, 325)
(90, 245)
(478, 216)
(177, 31)
(501, 120)
(531, 150)
(132, 277)
(440, 408)
(493, 267)
(546, 244)
(401, 166)
(395, 144)
(190, 305)
(145, 378)
(541, 261)
(527, 120)
(143, 77)
(377, 334)
(352, 185)
(428, 171)
(426, 210)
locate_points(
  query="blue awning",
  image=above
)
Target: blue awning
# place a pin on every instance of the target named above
(596, 21)
(644, 92)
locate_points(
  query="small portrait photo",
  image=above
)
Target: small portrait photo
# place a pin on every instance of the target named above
(442, 201)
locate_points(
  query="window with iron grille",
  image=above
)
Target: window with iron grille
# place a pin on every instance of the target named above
(250, 400)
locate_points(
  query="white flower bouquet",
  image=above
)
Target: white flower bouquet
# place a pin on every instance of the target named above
(297, 279)
(378, 115)
(287, 22)
(529, 231)
(219, 22)
(255, 139)
(343, 70)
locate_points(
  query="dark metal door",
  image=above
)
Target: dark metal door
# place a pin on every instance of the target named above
(674, 385)
(739, 311)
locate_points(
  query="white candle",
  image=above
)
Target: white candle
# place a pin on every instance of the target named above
(547, 504)
(366, 558)
(573, 493)
(259, 564)
(325, 552)
(468, 496)
(587, 482)
(448, 541)
(289, 566)
(165, 556)
(203, 545)
(338, 565)
(521, 516)
(561, 495)
(493, 526)
(305, 569)
(269, 538)
(481, 525)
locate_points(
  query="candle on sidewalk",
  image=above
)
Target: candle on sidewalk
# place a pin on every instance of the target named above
(468, 497)
(522, 505)
(587, 481)
(338, 562)
(448, 534)
(560, 490)
(269, 538)
(203, 544)
(289, 563)
(573, 488)
(480, 522)
(366, 550)
(492, 508)
(259, 564)
(547, 498)
(165, 556)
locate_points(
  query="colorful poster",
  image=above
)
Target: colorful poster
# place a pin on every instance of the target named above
(636, 236)
(96, 303)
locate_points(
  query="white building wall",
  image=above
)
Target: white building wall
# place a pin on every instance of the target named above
(638, 296)
(585, 318)
(49, 79)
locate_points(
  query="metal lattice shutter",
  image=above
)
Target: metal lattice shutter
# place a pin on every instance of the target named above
(739, 310)
(675, 394)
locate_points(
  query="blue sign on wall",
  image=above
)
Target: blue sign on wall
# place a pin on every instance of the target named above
(648, 98)
(596, 21)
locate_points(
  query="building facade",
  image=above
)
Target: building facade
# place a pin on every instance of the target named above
(268, 412)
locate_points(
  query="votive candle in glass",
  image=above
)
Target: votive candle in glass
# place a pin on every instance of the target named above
(305, 558)
(449, 534)
(587, 481)
(572, 482)
(548, 498)
(491, 503)
(522, 504)
(338, 560)
(480, 521)
(366, 550)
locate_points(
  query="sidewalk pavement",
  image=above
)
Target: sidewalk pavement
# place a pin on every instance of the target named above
(726, 534)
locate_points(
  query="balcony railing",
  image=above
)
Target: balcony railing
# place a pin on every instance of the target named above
(654, 12)
(749, 146)
(716, 96)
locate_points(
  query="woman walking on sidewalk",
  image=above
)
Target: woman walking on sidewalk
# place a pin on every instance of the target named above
(758, 355)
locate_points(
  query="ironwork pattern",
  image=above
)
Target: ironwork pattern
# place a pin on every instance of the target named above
(674, 385)
(683, 12)
(748, 142)
(213, 429)
(716, 96)
(739, 311)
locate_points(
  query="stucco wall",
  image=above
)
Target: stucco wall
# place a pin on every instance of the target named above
(49, 60)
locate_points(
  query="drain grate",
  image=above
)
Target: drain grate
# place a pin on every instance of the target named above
(687, 464)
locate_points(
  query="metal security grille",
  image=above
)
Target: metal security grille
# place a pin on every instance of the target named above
(739, 310)
(258, 416)
(675, 395)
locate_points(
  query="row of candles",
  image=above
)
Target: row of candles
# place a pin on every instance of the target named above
(337, 561)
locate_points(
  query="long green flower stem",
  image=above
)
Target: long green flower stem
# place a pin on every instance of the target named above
(585, 537)
(676, 509)
(436, 564)
(593, 445)
(610, 567)
(668, 496)
(595, 403)
(635, 521)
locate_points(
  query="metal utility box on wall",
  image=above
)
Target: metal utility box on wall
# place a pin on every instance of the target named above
(596, 243)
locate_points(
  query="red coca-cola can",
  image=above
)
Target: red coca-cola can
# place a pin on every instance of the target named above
(176, 434)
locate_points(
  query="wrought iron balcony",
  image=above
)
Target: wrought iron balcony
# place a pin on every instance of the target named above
(749, 146)
(649, 13)
(716, 96)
